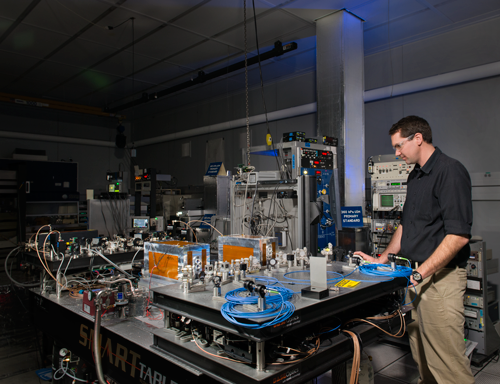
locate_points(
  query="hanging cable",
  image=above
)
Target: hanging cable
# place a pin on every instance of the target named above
(29, 285)
(110, 27)
(277, 157)
(247, 112)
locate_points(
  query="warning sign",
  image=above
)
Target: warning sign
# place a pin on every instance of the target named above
(347, 283)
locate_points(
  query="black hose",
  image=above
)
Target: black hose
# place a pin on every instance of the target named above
(27, 285)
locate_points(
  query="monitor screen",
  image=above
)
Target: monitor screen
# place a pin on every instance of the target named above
(387, 200)
(140, 222)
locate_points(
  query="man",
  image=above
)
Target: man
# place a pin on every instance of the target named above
(434, 233)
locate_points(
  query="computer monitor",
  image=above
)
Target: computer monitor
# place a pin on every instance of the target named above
(140, 222)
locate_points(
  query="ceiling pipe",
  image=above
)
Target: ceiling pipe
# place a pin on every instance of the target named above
(438, 81)
(258, 119)
(432, 82)
(55, 139)
(54, 104)
(278, 50)
(425, 84)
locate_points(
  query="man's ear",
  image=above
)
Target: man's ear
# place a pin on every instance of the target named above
(419, 138)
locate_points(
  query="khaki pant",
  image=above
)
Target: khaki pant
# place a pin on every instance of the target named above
(437, 334)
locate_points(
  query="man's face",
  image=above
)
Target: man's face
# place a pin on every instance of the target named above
(405, 147)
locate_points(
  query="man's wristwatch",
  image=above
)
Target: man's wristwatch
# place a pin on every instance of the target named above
(417, 276)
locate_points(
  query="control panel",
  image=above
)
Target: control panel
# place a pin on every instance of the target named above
(314, 158)
(320, 161)
(474, 318)
(391, 170)
(385, 225)
(473, 300)
(390, 186)
(475, 267)
(388, 201)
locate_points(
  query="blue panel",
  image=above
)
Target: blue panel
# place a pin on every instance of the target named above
(270, 152)
(206, 218)
(326, 227)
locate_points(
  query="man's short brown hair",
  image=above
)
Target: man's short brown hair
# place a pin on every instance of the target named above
(410, 125)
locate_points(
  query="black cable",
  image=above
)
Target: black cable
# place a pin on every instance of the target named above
(9, 275)
(489, 361)
(110, 27)
(253, 204)
(262, 87)
(288, 234)
(273, 197)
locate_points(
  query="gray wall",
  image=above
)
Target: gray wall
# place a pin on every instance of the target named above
(166, 157)
(464, 117)
(93, 161)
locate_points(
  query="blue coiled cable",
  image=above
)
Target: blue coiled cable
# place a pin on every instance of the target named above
(385, 271)
(277, 305)
(401, 271)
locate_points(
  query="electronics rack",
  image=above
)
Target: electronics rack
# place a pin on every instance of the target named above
(277, 197)
(480, 301)
(202, 309)
(388, 183)
(298, 159)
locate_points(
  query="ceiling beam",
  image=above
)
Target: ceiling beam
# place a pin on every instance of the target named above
(19, 20)
(206, 39)
(131, 44)
(278, 50)
(53, 104)
(69, 41)
(426, 4)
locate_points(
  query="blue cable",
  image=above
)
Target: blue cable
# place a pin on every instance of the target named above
(270, 280)
(335, 279)
(407, 288)
(373, 270)
(331, 330)
(401, 271)
(278, 306)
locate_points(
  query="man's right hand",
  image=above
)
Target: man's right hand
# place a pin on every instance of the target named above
(366, 257)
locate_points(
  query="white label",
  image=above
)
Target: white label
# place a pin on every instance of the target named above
(473, 284)
(86, 308)
(472, 314)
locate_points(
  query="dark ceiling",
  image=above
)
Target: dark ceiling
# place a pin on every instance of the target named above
(63, 49)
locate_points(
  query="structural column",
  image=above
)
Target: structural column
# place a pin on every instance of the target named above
(340, 89)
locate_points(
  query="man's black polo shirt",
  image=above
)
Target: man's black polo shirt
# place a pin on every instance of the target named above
(438, 203)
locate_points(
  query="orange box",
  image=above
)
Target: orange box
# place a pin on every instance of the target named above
(164, 259)
(242, 246)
